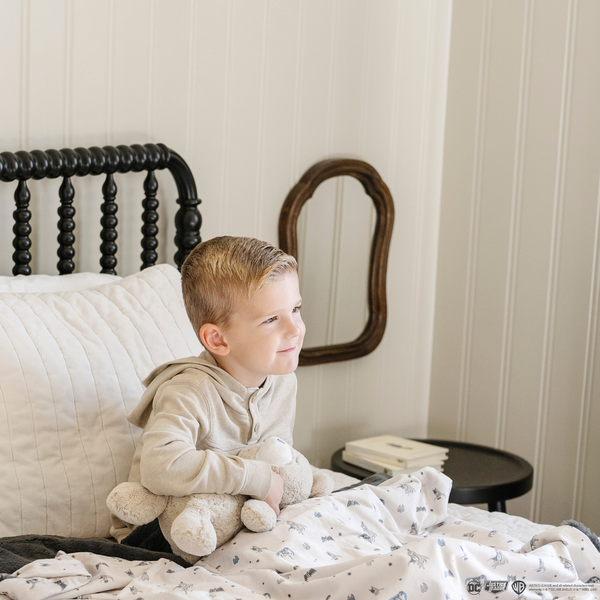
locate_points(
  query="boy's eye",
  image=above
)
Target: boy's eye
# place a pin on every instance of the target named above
(297, 309)
(271, 320)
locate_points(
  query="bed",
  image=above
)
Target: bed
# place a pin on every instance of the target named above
(74, 348)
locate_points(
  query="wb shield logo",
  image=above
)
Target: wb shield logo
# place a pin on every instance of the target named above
(519, 586)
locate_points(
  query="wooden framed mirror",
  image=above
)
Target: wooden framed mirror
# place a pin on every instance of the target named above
(378, 192)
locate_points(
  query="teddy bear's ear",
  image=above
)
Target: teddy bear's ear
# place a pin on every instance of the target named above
(133, 503)
(322, 485)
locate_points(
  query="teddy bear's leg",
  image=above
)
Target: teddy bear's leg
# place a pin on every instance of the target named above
(133, 503)
(258, 516)
(193, 530)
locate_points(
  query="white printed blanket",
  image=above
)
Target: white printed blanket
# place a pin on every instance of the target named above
(394, 541)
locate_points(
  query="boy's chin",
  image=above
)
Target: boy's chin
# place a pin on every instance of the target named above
(288, 366)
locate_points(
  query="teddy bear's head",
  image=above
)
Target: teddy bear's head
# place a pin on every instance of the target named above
(293, 467)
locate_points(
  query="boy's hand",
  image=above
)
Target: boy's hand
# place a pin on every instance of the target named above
(273, 498)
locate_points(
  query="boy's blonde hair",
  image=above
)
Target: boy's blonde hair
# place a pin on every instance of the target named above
(220, 272)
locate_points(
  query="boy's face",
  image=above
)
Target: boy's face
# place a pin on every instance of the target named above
(265, 333)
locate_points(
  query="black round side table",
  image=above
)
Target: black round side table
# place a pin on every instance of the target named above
(479, 474)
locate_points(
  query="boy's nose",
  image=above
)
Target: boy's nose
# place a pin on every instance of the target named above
(294, 327)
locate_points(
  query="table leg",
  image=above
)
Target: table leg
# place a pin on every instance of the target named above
(499, 506)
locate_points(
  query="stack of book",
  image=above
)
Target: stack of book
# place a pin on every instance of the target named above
(393, 455)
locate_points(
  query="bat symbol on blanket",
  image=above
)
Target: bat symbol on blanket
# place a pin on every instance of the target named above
(184, 587)
(438, 495)
(285, 552)
(368, 535)
(417, 559)
(296, 527)
(568, 565)
(542, 567)
(498, 559)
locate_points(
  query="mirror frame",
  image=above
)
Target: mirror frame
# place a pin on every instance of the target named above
(379, 193)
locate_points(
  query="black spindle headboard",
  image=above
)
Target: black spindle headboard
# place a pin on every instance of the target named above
(67, 163)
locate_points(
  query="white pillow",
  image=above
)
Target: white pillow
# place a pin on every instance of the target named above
(53, 283)
(71, 365)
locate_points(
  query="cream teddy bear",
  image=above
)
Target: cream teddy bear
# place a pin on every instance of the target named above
(197, 524)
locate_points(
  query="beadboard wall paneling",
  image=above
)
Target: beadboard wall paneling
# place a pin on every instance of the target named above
(383, 382)
(252, 95)
(516, 307)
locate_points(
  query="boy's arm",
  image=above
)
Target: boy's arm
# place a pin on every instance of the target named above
(171, 465)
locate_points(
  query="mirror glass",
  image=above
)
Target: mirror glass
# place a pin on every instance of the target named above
(335, 231)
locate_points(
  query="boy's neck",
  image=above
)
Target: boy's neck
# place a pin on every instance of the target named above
(247, 383)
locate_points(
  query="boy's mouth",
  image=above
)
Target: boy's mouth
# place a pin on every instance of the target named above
(288, 349)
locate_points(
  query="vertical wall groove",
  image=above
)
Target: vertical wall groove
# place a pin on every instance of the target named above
(332, 75)
(151, 69)
(553, 275)
(294, 167)
(110, 72)
(395, 124)
(68, 72)
(363, 136)
(364, 74)
(225, 134)
(425, 118)
(515, 226)
(475, 209)
(260, 151)
(588, 373)
(191, 80)
(25, 71)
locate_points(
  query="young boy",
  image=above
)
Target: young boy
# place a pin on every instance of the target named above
(243, 300)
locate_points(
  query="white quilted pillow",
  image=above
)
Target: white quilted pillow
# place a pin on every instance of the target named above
(71, 365)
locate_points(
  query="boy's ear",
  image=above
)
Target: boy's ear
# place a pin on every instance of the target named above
(211, 337)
